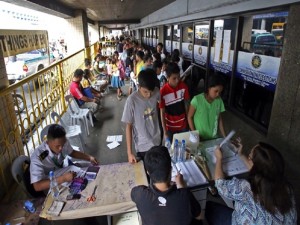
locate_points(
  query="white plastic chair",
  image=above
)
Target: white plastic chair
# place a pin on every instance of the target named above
(21, 175)
(71, 131)
(79, 114)
(17, 171)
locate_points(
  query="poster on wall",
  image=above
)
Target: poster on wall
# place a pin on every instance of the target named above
(200, 54)
(175, 45)
(226, 46)
(218, 43)
(168, 46)
(222, 67)
(258, 69)
(187, 50)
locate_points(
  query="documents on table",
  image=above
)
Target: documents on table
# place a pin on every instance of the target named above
(126, 218)
(56, 208)
(232, 164)
(190, 172)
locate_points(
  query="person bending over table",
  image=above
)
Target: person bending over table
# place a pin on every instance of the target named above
(50, 156)
(163, 202)
(265, 197)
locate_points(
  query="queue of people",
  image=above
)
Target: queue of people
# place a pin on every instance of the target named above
(157, 107)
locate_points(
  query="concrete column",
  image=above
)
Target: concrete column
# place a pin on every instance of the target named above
(284, 128)
(77, 36)
(247, 31)
(10, 142)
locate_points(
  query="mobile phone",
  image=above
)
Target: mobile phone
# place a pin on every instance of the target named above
(74, 196)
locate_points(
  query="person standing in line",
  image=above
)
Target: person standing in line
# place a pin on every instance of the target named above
(264, 197)
(141, 116)
(174, 103)
(205, 111)
(118, 72)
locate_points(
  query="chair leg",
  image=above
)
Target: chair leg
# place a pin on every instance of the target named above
(82, 142)
(91, 118)
(86, 125)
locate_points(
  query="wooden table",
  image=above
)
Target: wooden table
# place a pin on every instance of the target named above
(114, 182)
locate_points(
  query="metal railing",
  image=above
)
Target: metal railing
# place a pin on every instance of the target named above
(34, 98)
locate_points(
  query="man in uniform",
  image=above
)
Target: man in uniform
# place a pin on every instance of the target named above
(49, 156)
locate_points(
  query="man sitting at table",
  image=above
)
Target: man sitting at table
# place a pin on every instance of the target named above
(50, 156)
(162, 202)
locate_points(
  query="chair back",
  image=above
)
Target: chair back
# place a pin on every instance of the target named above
(44, 132)
(72, 104)
(21, 174)
(55, 117)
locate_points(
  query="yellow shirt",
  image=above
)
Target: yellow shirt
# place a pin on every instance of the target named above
(139, 67)
(85, 83)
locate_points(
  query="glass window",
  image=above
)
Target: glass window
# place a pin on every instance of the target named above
(176, 37)
(201, 43)
(168, 35)
(221, 58)
(187, 40)
(258, 65)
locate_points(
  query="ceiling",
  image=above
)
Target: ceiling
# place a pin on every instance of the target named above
(110, 13)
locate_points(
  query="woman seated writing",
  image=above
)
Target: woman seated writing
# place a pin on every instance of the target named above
(265, 197)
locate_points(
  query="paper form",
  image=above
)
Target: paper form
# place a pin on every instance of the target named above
(190, 172)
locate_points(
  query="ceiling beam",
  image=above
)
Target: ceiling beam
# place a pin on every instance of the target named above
(53, 6)
(131, 21)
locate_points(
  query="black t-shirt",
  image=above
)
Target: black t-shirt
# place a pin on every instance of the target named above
(173, 207)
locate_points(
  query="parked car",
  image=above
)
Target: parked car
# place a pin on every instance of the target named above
(25, 64)
(264, 43)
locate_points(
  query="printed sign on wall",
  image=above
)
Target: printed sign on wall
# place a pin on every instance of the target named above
(258, 69)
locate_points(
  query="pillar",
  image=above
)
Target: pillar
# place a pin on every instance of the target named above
(10, 141)
(284, 128)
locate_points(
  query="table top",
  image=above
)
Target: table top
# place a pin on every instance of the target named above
(114, 183)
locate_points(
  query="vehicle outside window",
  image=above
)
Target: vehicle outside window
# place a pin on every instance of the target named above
(26, 64)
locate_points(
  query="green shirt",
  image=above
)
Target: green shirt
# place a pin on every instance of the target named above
(206, 116)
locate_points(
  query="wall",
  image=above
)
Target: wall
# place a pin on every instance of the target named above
(184, 10)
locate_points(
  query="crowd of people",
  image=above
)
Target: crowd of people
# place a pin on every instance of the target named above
(158, 106)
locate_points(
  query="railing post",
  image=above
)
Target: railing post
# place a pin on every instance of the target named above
(61, 84)
(87, 52)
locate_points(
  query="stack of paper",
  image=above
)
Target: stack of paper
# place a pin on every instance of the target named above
(190, 172)
(232, 164)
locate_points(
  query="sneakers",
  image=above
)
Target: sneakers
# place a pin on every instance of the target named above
(119, 98)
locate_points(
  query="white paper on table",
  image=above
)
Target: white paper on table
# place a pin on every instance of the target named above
(79, 171)
(232, 164)
(113, 138)
(190, 172)
(113, 145)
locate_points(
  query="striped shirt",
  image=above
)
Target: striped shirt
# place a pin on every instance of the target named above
(173, 100)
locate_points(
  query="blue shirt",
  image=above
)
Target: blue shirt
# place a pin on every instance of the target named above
(246, 210)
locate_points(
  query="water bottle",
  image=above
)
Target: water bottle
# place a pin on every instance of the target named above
(181, 154)
(176, 150)
(53, 185)
(168, 145)
(28, 206)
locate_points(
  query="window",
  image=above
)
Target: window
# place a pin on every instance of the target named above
(258, 65)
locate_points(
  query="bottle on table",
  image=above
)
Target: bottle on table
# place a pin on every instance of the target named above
(53, 185)
(168, 145)
(181, 154)
(176, 150)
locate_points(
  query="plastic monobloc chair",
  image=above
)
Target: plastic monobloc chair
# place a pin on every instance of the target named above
(79, 114)
(71, 131)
